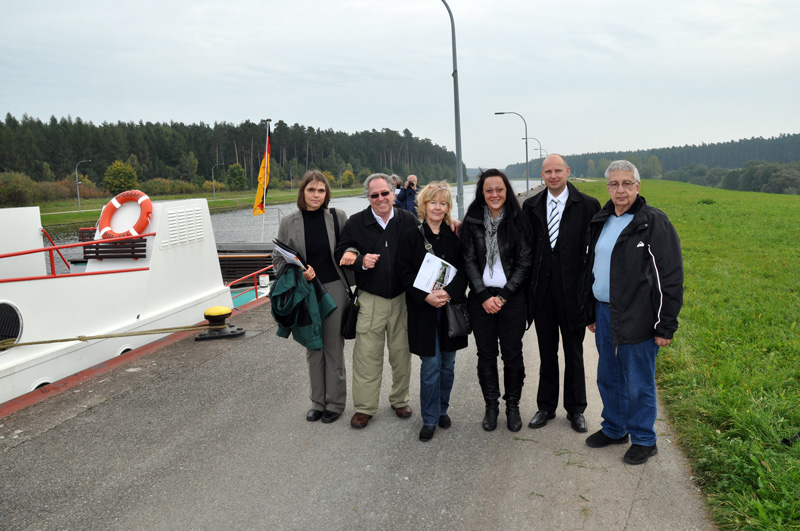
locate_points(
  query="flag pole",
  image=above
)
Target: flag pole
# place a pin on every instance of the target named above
(266, 173)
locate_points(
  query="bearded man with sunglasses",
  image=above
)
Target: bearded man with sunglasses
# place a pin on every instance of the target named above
(368, 246)
(634, 277)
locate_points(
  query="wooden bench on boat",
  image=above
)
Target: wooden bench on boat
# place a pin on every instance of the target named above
(110, 249)
(237, 260)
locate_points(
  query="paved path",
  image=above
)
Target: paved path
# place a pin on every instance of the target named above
(212, 435)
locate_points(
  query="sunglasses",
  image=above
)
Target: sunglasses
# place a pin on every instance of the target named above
(382, 194)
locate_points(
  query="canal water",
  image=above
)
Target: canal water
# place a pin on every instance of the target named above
(242, 226)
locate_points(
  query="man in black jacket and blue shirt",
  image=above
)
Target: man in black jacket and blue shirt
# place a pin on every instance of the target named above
(559, 218)
(635, 271)
(368, 246)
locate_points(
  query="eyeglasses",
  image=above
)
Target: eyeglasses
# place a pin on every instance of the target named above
(625, 184)
(382, 194)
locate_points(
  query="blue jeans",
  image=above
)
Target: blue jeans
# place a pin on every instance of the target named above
(626, 378)
(436, 377)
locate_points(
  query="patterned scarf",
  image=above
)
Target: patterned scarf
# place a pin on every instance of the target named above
(491, 224)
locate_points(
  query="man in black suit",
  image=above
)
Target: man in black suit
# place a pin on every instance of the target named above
(559, 217)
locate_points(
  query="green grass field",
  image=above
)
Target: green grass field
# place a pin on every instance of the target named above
(731, 378)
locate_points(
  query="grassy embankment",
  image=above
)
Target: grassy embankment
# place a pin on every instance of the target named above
(66, 212)
(731, 378)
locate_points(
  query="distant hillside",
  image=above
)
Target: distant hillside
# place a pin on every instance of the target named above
(734, 154)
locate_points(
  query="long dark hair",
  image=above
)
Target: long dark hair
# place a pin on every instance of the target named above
(511, 204)
(512, 210)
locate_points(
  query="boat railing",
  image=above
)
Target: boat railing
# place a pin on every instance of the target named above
(57, 249)
(254, 275)
(52, 265)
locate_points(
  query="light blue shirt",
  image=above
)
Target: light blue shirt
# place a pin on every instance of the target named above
(602, 255)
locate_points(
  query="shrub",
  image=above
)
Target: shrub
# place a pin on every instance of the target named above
(159, 186)
(236, 177)
(208, 187)
(119, 177)
(182, 187)
(156, 187)
(48, 191)
(16, 189)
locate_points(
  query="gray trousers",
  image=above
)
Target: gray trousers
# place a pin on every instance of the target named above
(326, 368)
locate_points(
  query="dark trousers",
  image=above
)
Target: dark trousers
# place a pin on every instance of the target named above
(550, 317)
(504, 329)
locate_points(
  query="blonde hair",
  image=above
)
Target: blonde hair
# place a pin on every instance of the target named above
(432, 191)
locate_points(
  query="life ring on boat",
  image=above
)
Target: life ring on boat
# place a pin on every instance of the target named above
(145, 206)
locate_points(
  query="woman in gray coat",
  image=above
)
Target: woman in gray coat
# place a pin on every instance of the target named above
(313, 232)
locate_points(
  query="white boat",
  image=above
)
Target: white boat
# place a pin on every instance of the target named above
(175, 280)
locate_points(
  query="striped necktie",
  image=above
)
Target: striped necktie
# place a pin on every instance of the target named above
(553, 222)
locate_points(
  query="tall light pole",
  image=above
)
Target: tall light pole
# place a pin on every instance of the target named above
(459, 172)
(78, 183)
(527, 166)
(541, 180)
(214, 182)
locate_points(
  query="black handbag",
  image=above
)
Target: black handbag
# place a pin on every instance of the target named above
(350, 312)
(457, 313)
(350, 315)
(457, 320)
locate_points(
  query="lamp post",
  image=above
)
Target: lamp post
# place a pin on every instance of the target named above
(77, 182)
(459, 173)
(213, 181)
(527, 167)
(541, 180)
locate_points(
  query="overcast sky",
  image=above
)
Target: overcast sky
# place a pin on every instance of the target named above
(587, 75)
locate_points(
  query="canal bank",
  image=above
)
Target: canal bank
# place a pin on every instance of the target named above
(202, 435)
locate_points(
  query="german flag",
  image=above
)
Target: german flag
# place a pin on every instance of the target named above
(263, 178)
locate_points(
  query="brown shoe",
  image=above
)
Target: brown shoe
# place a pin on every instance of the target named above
(360, 420)
(403, 412)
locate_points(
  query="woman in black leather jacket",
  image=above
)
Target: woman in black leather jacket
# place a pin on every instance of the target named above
(496, 240)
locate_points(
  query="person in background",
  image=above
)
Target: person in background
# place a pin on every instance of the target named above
(496, 240)
(408, 195)
(635, 271)
(311, 231)
(368, 246)
(559, 218)
(396, 182)
(427, 318)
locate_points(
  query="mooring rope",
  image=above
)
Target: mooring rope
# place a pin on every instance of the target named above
(9, 343)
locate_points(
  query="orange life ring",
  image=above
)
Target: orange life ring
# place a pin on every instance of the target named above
(126, 197)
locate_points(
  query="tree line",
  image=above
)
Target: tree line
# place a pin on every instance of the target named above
(757, 164)
(49, 151)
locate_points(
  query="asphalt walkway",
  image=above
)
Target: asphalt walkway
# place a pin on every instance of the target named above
(212, 435)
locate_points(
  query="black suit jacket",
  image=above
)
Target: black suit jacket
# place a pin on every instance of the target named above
(573, 239)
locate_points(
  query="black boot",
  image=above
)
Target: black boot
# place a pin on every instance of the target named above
(513, 379)
(490, 385)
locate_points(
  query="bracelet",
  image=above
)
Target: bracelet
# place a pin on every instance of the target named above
(502, 300)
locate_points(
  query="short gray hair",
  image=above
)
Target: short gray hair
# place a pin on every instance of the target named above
(377, 176)
(623, 165)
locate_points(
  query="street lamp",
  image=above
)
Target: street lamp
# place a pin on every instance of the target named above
(78, 184)
(527, 169)
(541, 180)
(214, 182)
(459, 173)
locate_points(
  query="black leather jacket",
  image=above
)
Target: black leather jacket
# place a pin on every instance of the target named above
(513, 242)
